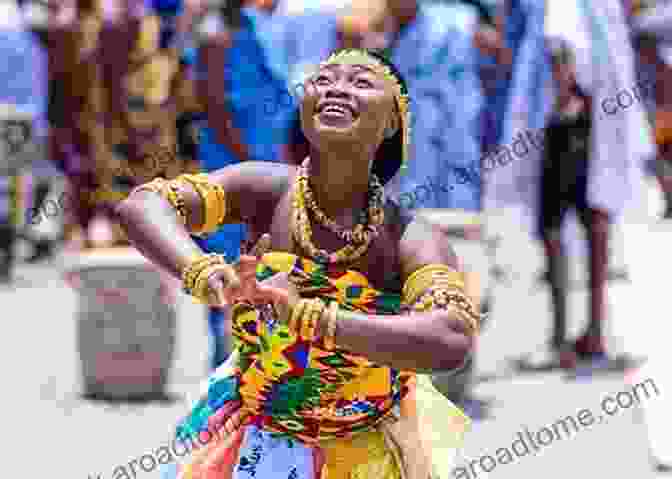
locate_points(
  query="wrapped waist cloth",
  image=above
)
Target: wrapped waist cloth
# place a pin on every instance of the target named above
(282, 407)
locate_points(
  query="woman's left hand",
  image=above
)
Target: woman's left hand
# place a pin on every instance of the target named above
(283, 293)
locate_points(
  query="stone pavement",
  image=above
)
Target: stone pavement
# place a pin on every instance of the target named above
(54, 433)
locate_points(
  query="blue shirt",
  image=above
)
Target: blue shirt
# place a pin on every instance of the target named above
(254, 81)
(23, 75)
(436, 56)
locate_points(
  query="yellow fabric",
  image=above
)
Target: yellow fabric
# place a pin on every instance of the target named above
(365, 456)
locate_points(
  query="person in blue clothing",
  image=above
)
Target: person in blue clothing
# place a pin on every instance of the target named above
(237, 79)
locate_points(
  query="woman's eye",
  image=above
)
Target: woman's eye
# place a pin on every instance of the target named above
(321, 80)
(363, 83)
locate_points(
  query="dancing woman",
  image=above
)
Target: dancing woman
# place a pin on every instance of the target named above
(336, 309)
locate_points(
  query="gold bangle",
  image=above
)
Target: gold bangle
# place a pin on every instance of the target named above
(202, 287)
(192, 273)
(214, 201)
(305, 318)
(429, 276)
(330, 335)
(297, 313)
(310, 320)
(176, 199)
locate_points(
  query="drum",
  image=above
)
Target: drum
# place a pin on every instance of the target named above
(125, 325)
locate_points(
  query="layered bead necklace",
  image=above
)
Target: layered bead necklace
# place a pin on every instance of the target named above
(358, 239)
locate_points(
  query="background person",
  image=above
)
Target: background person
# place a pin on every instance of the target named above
(23, 99)
(564, 183)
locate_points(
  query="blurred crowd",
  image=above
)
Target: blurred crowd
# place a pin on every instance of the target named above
(118, 92)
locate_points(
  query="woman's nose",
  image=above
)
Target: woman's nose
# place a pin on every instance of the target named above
(339, 88)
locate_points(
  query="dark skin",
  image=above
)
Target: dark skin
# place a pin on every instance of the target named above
(342, 148)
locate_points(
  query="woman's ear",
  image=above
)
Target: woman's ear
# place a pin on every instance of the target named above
(392, 126)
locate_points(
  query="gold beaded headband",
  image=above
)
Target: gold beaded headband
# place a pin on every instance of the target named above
(354, 56)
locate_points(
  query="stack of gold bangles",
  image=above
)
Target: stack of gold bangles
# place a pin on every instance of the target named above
(212, 195)
(195, 276)
(440, 287)
(306, 316)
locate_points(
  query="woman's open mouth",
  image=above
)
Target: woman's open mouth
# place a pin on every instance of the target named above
(331, 112)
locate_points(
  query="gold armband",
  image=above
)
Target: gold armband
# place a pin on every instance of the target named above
(440, 287)
(214, 201)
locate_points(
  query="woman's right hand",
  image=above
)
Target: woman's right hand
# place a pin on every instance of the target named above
(239, 283)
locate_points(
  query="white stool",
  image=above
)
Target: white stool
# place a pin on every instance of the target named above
(126, 327)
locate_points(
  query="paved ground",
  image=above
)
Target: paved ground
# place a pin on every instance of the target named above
(55, 434)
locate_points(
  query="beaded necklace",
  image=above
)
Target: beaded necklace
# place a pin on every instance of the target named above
(358, 239)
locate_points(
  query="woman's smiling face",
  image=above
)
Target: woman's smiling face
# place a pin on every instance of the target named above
(349, 101)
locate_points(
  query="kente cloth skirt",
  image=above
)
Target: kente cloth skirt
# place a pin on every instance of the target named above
(421, 444)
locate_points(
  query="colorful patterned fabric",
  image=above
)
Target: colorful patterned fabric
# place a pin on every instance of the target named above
(293, 388)
(311, 413)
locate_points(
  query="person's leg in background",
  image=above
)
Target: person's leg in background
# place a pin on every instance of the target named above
(43, 173)
(7, 229)
(553, 208)
(557, 266)
(6, 249)
(591, 344)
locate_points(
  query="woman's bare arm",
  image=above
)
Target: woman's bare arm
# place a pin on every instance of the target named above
(436, 340)
(152, 225)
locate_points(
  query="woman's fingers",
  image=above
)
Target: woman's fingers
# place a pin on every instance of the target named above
(261, 247)
(218, 294)
(218, 420)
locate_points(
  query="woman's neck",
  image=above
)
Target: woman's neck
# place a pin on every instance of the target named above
(340, 181)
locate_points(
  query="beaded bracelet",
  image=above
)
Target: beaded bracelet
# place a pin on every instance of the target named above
(191, 273)
(443, 298)
(330, 335)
